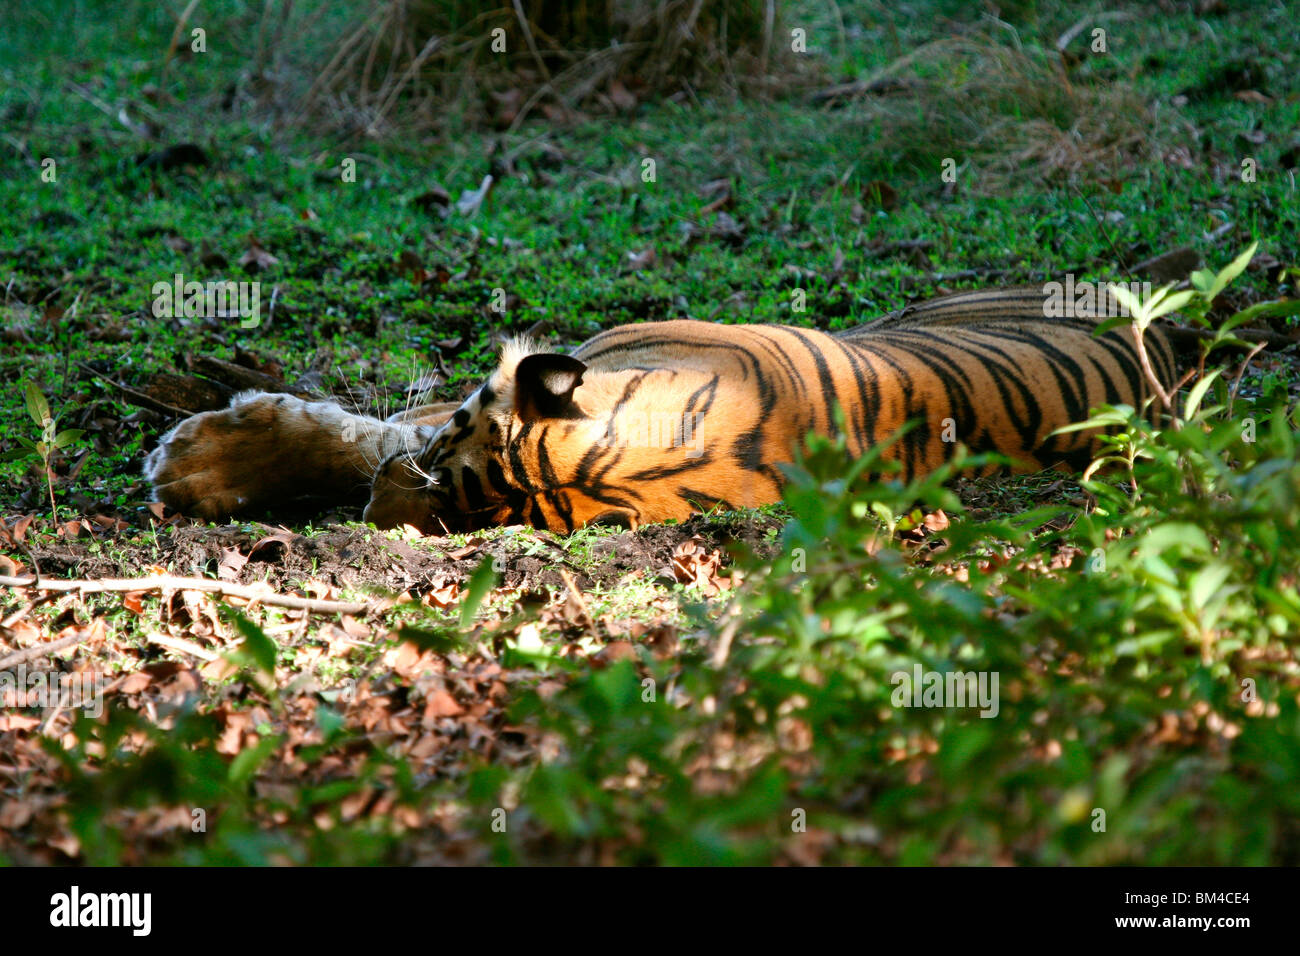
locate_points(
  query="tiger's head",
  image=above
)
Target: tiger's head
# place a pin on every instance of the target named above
(500, 458)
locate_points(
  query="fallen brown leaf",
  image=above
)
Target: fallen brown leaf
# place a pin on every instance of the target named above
(230, 563)
(256, 258)
(440, 703)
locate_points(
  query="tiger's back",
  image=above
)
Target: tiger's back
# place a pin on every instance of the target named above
(984, 369)
(1002, 376)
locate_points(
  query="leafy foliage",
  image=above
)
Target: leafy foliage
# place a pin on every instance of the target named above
(1144, 652)
(51, 440)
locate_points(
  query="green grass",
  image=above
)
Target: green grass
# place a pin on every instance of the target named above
(1096, 662)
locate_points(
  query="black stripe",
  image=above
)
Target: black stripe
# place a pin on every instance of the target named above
(823, 376)
(472, 488)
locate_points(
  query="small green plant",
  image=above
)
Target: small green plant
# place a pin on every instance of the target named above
(51, 440)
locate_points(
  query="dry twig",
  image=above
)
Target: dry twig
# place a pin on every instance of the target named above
(167, 582)
(40, 650)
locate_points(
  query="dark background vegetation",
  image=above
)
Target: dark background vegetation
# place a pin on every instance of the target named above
(511, 678)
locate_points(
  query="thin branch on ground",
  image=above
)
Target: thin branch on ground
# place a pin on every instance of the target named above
(167, 582)
(137, 398)
(48, 647)
(1236, 382)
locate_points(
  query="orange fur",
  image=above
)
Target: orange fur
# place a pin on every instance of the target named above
(650, 422)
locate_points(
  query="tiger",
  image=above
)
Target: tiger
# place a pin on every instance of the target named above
(658, 421)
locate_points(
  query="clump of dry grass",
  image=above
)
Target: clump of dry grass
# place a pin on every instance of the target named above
(1010, 112)
(1006, 112)
(425, 63)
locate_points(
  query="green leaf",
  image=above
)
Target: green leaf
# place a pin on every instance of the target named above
(1175, 534)
(1165, 304)
(1103, 416)
(15, 453)
(963, 744)
(1100, 420)
(66, 437)
(1208, 580)
(249, 759)
(37, 407)
(1127, 299)
(330, 721)
(528, 647)
(332, 792)
(1275, 308)
(1197, 393)
(1235, 268)
(480, 582)
(260, 648)
(1150, 641)
(1114, 322)
(1100, 463)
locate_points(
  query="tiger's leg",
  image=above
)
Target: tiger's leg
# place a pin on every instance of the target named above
(268, 450)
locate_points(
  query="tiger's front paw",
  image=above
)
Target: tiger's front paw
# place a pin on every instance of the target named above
(218, 464)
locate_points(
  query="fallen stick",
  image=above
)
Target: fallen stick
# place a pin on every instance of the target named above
(182, 645)
(134, 396)
(159, 582)
(1269, 340)
(40, 650)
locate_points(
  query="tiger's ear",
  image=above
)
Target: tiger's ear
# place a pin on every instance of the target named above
(544, 385)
